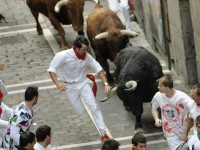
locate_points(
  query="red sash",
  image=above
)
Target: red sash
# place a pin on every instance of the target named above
(94, 88)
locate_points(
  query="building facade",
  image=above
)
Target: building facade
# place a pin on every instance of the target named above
(173, 30)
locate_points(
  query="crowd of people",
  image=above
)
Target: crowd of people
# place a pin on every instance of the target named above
(15, 132)
(179, 112)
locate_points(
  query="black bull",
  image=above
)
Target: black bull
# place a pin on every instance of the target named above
(137, 71)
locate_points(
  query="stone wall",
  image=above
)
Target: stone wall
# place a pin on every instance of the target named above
(195, 13)
(181, 44)
(181, 32)
(144, 20)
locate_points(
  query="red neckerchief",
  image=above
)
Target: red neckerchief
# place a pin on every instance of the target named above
(1, 97)
(132, 148)
(78, 55)
(198, 104)
(94, 88)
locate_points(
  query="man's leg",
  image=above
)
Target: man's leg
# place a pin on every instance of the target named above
(89, 99)
(113, 5)
(173, 141)
(74, 99)
(125, 10)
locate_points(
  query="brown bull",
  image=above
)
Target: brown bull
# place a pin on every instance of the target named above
(107, 36)
(59, 12)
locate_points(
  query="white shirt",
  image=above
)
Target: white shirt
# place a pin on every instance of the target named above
(6, 111)
(37, 146)
(174, 111)
(70, 69)
(20, 121)
(194, 142)
(195, 111)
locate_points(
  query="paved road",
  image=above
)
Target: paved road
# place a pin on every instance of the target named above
(27, 56)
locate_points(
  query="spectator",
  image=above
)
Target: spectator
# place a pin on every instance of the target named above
(110, 145)
(21, 119)
(195, 93)
(70, 66)
(194, 141)
(26, 141)
(5, 112)
(174, 106)
(138, 142)
(113, 5)
(195, 110)
(43, 137)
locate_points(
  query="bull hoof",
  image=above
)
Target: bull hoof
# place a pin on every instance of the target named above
(40, 32)
(127, 108)
(138, 130)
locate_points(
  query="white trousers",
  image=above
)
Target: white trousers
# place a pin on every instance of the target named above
(113, 5)
(173, 141)
(86, 94)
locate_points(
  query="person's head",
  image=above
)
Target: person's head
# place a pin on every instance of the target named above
(31, 94)
(110, 145)
(26, 141)
(43, 134)
(198, 123)
(139, 141)
(195, 93)
(165, 82)
(81, 45)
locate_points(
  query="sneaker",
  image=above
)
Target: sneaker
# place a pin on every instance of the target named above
(105, 137)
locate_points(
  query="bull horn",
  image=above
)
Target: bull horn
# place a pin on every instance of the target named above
(96, 1)
(128, 33)
(131, 85)
(101, 36)
(109, 95)
(59, 4)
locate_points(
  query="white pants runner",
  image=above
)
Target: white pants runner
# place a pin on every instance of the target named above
(113, 5)
(86, 94)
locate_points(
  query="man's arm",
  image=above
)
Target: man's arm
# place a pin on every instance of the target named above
(14, 133)
(7, 111)
(155, 115)
(103, 79)
(60, 85)
(190, 123)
